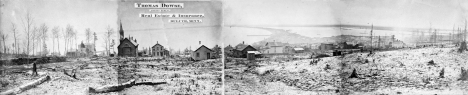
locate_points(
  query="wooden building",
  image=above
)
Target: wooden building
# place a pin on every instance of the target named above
(159, 51)
(276, 48)
(228, 50)
(324, 46)
(128, 46)
(241, 50)
(202, 53)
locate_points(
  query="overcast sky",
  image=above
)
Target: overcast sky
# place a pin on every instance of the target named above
(295, 15)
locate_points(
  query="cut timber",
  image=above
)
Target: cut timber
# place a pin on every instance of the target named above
(119, 87)
(26, 86)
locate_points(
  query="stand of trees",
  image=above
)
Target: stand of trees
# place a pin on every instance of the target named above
(29, 38)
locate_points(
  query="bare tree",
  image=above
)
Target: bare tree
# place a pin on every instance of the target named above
(3, 36)
(35, 37)
(43, 32)
(69, 34)
(88, 38)
(55, 34)
(15, 44)
(28, 25)
(107, 37)
(94, 43)
(76, 42)
(88, 35)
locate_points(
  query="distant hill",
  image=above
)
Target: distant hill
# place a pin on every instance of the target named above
(286, 37)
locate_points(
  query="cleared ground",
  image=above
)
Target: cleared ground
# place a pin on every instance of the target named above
(387, 72)
(181, 77)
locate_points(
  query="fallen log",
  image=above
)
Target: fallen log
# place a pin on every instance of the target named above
(119, 87)
(26, 86)
(112, 88)
(150, 83)
(70, 75)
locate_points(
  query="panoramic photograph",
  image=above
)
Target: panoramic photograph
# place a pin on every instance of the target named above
(233, 47)
(357, 47)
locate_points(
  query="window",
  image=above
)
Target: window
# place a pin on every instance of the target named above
(197, 54)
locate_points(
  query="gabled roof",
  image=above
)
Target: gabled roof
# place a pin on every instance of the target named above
(273, 44)
(298, 49)
(157, 45)
(241, 49)
(229, 47)
(203, 47)
(134, 43)
(240, 46)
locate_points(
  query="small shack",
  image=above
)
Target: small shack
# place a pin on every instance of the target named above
(251, 55)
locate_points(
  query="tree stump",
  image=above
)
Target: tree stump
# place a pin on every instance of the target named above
(462, 47)
(327, 67)
(431, 62)
(441, 74)
(463, 75)
(353, 74)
